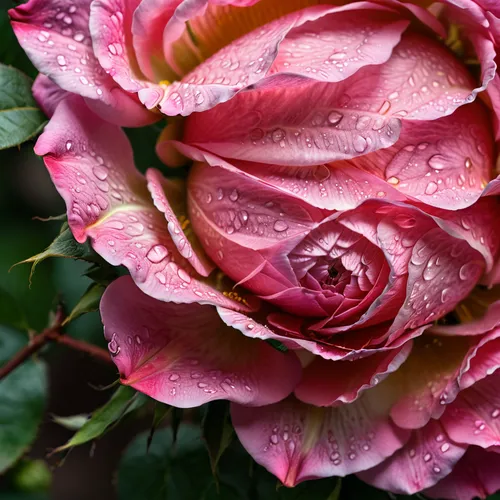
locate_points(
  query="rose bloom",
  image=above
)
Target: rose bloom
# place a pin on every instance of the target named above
(341, 202)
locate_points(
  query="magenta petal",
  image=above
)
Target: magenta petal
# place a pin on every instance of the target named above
(330, 383)
(475, 475)
(185, 356)
(55, 35)
(47, 94)
(91, 164)
(473, 418)
(426, 458)
(170, 198)
(297, 442)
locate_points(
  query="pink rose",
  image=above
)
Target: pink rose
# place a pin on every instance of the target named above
(342, 202)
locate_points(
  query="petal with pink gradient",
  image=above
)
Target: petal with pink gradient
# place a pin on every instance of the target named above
(110, 27)
(426, 458)
(55, 35)
(332, 383)
(47, 94)
(250, 59)
(183, 354)
(475, 475)
(473, 418)
(444, 163)
(169, 198)
(441, 272)
(91, 164)
(298, 442)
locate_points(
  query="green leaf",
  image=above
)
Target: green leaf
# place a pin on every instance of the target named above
(10, 312)
(73, 423)
(89, 302)
(217, 431)
(167, 471)
(20, 118)
(22, 400)
(65, 246)
(32, 476)
(160, 412)
(123, 401)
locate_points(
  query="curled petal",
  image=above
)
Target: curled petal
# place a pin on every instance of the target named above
(297, 442)
(91, 164)
(183, 355)
(426, 458)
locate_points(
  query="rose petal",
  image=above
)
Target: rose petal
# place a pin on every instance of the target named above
(327, 383)
(297, 442)
(425, 459)
(473, 416)
(47, 94)
(475, 475)
(183, 355)
(170, 199)
(55, 35)
(91, 164)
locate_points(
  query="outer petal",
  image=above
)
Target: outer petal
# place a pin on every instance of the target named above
(250, 59)
(56, 37)
(91, 164)
(473, 418)
(475, 475)
(328, 383)
(426, 458)
(183, 355)
(47, 94)
(297, 442)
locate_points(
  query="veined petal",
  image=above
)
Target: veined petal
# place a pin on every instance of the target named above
(297, 442)
(91, 164)
(183, 355)
(426, 458)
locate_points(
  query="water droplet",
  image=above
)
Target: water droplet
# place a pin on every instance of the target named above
(157, 253)
(174, 377)
(183, 275)
(466, 271)
(445, 447)
(278, 135)
(386, 106)
(360, 143)
(274, 439)
(113, 347)
(431, 188)
(61, 60)
(393, 180)
(334, 117)
(280, 226)
(437, 162)
(495, 413)
(234, 195)
(202, 385)
(427, 457)
(468, 163)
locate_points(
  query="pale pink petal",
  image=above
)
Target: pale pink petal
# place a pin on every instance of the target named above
(91, 164)
(170, 198)
(183, 355)
(475, 475)
(110, 26)
(444, 163)
(308, 124)
(442, 271)
(297, 442)
(47, 94)
(473, 418)
(331, 383)
(425, 459)
(55, 35)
